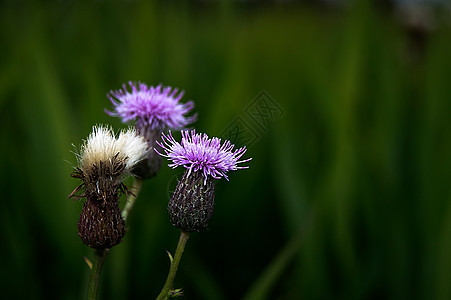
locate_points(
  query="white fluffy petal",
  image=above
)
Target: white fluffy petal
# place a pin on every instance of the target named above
(102, 145)
(133, 146)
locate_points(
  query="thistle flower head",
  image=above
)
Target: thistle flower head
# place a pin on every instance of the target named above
(151, 107)
(206, 159)
(198, 152)
(103, 162)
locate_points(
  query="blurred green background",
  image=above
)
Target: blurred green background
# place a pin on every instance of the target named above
(348, 193)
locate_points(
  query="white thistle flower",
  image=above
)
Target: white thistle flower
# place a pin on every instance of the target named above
(104, 160)
(103, 147)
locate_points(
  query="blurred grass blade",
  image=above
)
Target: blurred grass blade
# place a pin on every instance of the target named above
(267, 280)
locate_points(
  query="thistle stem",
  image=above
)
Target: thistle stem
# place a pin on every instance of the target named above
(99, 259)
(137, 185)
(174, 265)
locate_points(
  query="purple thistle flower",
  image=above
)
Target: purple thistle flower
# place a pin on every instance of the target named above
(151, 107)
(206, 159)
(197, 152)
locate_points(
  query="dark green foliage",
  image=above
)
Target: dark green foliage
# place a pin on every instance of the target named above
(348, 195)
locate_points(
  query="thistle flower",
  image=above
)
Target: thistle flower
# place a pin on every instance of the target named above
(153, 109)
(104, 161)
(205, 159)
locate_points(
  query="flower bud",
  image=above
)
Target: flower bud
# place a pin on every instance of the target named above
(101, 224)
(192, 202)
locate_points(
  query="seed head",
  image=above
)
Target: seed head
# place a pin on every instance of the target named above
(104, 160)
(102, 148)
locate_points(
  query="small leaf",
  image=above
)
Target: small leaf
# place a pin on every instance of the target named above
(175, 293)
(88, 262)
(170, 256)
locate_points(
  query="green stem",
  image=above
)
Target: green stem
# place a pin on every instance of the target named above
(93, 286)
(174, 265)
(137, 185)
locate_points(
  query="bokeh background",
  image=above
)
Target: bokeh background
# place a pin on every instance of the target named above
(348, 193)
